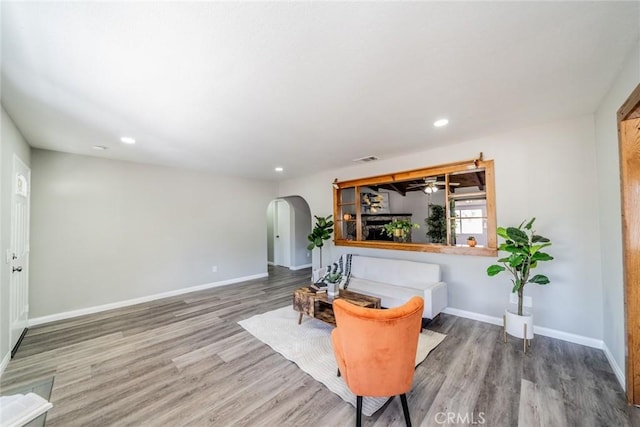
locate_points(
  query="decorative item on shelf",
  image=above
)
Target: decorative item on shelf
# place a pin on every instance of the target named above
(399, 229)
(524, 247)
(346, 216)
(471, 241)
(321, 232)
(373, 202)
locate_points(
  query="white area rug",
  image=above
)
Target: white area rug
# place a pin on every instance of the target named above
(309, 346)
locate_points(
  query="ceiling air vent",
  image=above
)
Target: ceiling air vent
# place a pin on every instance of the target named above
(366, 159)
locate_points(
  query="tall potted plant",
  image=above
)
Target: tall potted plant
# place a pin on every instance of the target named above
(321, 232)
(524, 248)
(437, 224)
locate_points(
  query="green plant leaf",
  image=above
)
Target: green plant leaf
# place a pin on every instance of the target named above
(506, 259)
(541, 256)
(311, 246)
(514, 249)
(516, 286)
(492, 270)
(539, 239)
(530, 224)
(517, 235)
(515, 260)
(536, 248)
(539, 279)
(502, 232)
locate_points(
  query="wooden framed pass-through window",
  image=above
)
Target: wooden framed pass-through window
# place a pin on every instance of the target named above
(446, 208)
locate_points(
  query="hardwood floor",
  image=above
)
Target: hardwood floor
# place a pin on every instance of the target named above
(184, 361)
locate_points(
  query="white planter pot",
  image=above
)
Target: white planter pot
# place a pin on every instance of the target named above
(514, 324)
(332, 290)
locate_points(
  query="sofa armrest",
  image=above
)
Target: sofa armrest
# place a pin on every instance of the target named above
(435, 299)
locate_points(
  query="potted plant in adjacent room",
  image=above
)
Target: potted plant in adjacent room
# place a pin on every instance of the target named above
(436, 224)
(524, 248)
(399, 229)
(471, 241)
(321, 232)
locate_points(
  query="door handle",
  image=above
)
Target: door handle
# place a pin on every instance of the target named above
(18, 269)
(277, 237)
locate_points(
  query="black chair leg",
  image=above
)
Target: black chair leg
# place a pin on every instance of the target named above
(405, 409)
(358, 411)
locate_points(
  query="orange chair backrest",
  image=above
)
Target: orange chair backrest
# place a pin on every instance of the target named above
(377, 348)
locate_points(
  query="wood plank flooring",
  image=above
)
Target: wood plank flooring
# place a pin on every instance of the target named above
(184, 361)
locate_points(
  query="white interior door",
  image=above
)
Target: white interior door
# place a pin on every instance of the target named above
(282, 234)
(19, 283)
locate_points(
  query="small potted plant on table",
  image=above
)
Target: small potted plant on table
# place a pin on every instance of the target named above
(524, 248)
(332, 281)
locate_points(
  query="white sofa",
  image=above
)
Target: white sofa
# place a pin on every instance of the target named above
(395, 281)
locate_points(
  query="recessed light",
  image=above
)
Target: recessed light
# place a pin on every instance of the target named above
(279, 169)
(128, 140)
(99, 147)
(440, 123)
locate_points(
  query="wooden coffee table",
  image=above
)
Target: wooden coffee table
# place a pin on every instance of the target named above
(319, 306)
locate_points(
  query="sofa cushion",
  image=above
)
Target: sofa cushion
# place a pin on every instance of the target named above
(390, 295)
(394, 271)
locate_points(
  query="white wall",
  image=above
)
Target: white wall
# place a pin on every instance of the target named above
(104, 231)
(609, 205)
(11, 142)
(535, 168)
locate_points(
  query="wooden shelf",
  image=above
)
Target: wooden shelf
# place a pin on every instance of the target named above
(418, 247)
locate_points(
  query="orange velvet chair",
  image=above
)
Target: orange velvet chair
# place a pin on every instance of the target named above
(376, 350)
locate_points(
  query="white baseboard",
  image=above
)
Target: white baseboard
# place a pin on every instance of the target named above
(614, 365)
(96, 309)
(547, 332)
(299, 267)
(474, 316)
(5, 362)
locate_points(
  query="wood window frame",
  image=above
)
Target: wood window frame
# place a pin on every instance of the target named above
(463, 166)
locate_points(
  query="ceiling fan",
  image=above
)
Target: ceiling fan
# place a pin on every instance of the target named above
(431, 185)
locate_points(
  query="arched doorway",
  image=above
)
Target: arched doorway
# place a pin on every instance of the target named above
(288, 225)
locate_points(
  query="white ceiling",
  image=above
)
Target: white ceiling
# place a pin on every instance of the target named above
(239, 88)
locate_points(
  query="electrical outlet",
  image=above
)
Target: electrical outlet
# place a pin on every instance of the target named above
(214, 269)
(308, 254)
(527, 301)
